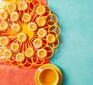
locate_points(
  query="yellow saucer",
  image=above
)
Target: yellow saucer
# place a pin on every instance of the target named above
(50, 66)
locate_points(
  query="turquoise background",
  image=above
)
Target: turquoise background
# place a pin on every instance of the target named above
(74, 56)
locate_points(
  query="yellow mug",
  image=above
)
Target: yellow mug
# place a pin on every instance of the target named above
(48, 76)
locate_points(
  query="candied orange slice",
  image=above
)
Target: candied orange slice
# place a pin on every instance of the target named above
(20, 57)
(7, 54)
(32, 26)
(11, 7)
(38, 43)
(16, 28)
(29, 52)
(22, 37)
(3, 25)
(22, 5)
(42, 32)
(4, 41)
(41, 10)
(42, 53)
(3, 15)
(50, 38)
(41, 21)
(14, 16)
(14, 46)
(26, 17)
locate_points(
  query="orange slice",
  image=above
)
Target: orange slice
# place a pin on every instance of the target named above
(7, 54)
(16, 28)
(4, 41)
(41, 21)
(3, 25)
(29, 52)
(22, 5)
(26, 17)
(14, 46)
(3, 15)
(38, 43)
(42, 32)
(14, 16)
(11, 7)
(20, 57)
(32, 26)
(41, 10)
(50, 38)
(41, 53)
(22, 37)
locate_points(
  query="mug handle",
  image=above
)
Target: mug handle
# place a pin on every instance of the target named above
(40, 69)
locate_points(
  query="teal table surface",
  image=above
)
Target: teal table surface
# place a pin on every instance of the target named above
(74, 56)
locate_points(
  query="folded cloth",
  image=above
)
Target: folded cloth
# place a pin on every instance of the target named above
(10, 75)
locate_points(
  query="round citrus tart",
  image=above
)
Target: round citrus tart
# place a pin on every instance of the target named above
(3, 15)
(16, 28)
(42, 53)
(41, 21)
(50, 38)
(42, 32)
(41, 10)
(11, 7)
(20, 57)
(22, 37)
(29, 52)
(14, 16)
(22, 5)
(32, 26)
(3, 25)
(26, 17)
(14, 46)
(38, 43)
(7, 53)
(4, 41)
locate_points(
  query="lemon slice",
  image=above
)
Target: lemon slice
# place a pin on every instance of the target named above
(29, 52)
(20, 57)
(14, 16)
(41, 10)
(22, 37)
(50, 38)
(7, 54)
(11, 7)
(3, 15)
(41, 21)
(22, 5)
(26, 17)
(41, 53)
(38, 43)
(16, 28)
(4, 41)
(14, 46)
(32, 26)
(42, 32)
(3, 25)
